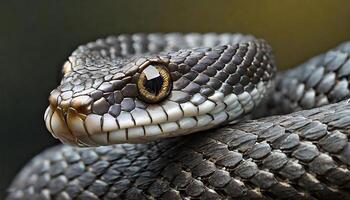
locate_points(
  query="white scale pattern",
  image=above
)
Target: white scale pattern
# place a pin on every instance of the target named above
(170, 118)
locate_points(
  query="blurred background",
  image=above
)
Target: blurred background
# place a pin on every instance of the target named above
(36, 37)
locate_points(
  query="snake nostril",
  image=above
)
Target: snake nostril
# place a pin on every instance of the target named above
(82, 104)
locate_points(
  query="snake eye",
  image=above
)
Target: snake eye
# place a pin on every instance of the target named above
(154, 83)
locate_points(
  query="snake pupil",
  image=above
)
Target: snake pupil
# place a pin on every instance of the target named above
(154, 85)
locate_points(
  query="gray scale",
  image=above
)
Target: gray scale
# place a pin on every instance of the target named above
(344, 69)
(199, 67)
(118, 96)
(214, 83)
(115, 110)
(172, 67)
(226, 89)
(130, 90)
(340, 90)
(227, 55)
(218, 65)
(207, 91)
(127, 104)
(201, 79)
(179, 96)
(192, 88)
(333, 60)
(181, 83)
(183, 69)
(210, 71)
(100, 106)
(238, 89)
(191, 75)
(221, 75)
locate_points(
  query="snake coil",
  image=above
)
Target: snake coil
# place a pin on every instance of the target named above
(216, 78)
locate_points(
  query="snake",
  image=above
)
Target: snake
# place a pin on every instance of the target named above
(194, 116)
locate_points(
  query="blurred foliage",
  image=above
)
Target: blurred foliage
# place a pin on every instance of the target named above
(37, 36)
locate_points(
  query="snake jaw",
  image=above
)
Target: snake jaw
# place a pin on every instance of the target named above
(56, 123)
(99, 101)
(164, 120)
(168, 119)
(65, 116)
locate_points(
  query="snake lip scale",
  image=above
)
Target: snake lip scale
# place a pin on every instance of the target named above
(98, 101)
(148, 88)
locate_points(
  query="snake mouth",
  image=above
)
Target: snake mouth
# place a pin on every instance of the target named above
(89, 129)
(56, 124)
(74, 123)
(74, 128)
(67, 125)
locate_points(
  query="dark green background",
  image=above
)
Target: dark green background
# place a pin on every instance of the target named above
(37, 36)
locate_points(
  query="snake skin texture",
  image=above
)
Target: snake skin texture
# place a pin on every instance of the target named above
(215, 79)
(321, 80)
(302, 155)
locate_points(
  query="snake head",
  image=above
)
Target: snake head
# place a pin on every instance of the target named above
(105, 99)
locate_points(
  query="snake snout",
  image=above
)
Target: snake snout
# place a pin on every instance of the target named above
(66, 101)
(65, 116)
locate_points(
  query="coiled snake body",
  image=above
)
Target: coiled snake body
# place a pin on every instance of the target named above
(144, 87)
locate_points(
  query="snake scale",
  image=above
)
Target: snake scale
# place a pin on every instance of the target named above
(147, 88)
